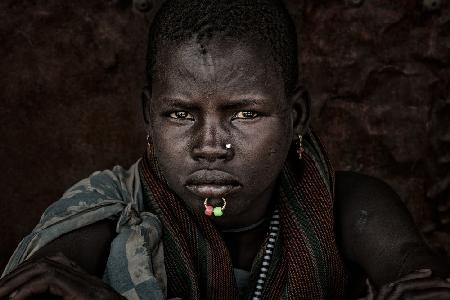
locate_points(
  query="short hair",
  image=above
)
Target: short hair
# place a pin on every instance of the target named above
(256, 20)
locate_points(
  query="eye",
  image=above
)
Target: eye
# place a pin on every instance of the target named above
(245, 115)
(183, 115)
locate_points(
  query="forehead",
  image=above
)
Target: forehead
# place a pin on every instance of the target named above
(228, 66)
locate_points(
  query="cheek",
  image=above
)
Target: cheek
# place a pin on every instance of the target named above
(269, 140)
(266, 149)
(168, 139)
(168, 148)
(263, 153)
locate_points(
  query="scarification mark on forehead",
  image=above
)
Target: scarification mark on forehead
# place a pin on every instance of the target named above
(207, 66)
(203, 49)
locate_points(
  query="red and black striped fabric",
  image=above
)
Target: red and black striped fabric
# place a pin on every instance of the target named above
(306, 263)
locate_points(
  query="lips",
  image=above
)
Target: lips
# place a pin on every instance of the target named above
(212, 183)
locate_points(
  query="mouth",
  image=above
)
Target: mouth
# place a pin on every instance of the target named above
(212, 183)
(212, 190)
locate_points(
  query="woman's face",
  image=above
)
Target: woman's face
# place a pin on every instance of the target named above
(205, 97)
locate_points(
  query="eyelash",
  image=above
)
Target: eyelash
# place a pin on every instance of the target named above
(184, 115)
(254, 115)
(175, 115)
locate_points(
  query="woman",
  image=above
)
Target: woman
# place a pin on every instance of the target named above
(235, 197)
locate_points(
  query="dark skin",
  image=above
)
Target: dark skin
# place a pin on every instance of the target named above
(205, 101)
(64, 270)
(234, 94)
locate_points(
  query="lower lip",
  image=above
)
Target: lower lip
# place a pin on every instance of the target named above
(212, 191)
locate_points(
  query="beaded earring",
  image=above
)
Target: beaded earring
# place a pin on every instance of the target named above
(300, 148)
(148, 140)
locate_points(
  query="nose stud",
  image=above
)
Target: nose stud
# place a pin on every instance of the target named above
(228, 146)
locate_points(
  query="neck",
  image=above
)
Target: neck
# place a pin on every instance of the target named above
(260, 208)
(243, 246)
(244, 239)
(244, 228)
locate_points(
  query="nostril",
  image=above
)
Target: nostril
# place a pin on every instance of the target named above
(211, 153)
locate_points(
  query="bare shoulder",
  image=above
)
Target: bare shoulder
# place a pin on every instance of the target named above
(88, 246)
(376, 230)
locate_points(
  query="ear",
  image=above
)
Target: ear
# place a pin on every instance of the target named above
(145, 101)
(301, 110)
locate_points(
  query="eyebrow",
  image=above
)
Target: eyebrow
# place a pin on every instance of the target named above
(232, 104)
(178, 103)
(243, 102)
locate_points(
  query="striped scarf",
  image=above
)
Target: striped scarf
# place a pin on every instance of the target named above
(305, 262)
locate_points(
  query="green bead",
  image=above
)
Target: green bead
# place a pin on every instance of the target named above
(218, 211)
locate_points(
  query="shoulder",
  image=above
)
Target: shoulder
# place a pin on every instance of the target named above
(366, 203)
(102, 189)
(360, 198)
(365, 208)
(82, 223)
(359, 188)
(111, 183)
(375, 229)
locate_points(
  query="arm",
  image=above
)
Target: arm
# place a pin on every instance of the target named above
(83, 213)
(88, 246)
(70, 266)
(377, 233)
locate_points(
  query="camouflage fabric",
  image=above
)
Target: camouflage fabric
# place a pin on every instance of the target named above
(135, 266)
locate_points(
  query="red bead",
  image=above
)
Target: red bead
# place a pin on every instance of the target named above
(208, 210)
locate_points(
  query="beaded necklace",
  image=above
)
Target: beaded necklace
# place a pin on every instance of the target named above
(268, 251)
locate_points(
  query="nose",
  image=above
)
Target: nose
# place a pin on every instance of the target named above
(210, 142)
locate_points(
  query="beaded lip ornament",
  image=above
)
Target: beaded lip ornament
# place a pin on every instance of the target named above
(217, 211)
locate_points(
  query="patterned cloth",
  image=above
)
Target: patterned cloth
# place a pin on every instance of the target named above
(135, 266)
(306, 263)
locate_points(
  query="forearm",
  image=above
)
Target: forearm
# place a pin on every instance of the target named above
(420, 256)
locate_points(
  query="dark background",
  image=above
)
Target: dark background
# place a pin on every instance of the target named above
(71, 73)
